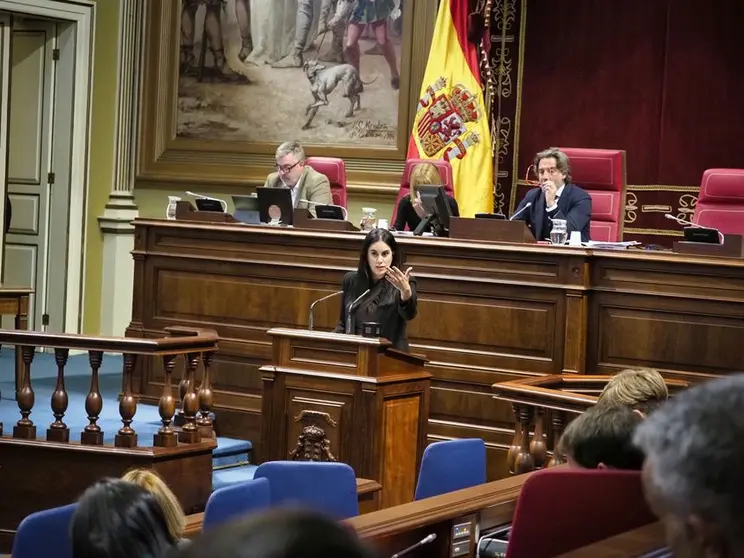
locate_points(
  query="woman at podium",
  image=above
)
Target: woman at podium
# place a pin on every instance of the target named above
(379, 291)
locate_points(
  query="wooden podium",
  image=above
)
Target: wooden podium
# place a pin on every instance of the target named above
(495, 230)
(346, 398)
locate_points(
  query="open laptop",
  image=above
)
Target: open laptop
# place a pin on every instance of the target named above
(246, 209)
(275, 205)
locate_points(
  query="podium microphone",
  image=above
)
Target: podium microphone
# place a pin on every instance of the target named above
(311, 317)
(426, 540)
(681, 221)
(352, 307)
(528, 204)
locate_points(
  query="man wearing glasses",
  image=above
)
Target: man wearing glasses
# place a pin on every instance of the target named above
(555, 198)
(309, 187)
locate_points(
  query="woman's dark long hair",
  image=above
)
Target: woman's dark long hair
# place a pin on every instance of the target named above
(119, 519)
(279, 533)
(364, 272)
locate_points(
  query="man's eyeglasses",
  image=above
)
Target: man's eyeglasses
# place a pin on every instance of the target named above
(286, 168)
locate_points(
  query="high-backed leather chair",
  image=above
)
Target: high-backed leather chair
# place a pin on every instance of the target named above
(601, 173)
(335, 169)
(445, 171)
(720, 203)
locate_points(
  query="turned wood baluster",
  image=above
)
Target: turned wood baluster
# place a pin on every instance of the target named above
(58, 430)
(511, 455)
(538, 447)
(183, 387)
(204, 422)
(189, 433)
(92, 434)
(127, 437)
(524, 462)
(25, 398)
(166, 436)
(559, 423)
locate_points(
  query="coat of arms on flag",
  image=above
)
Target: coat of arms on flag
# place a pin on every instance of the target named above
(444, 119)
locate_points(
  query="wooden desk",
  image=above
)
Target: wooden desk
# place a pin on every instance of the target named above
(14, 301)
(632, 544)
(487, 313)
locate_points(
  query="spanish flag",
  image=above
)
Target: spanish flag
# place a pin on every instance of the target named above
(451, 121)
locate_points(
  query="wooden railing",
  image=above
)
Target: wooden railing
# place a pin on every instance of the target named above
(195, 345)
(543, 406)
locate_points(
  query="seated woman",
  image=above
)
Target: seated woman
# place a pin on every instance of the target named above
(379, 291)
(172, 511)
(118, 519)
(410, 210)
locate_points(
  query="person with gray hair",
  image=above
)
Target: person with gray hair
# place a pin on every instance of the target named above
(693, 475)
(309, 187)
(555, 198)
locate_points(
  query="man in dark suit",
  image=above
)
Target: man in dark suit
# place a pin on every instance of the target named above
(555, 198)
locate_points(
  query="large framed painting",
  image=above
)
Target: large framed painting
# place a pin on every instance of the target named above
(226, 81)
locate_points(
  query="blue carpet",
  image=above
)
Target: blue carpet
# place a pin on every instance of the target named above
(77, 381)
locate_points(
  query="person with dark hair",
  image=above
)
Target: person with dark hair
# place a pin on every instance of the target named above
(556, 197)
(119, 519)
(602, 438)
(391, 300)
(693, 477)
(278, 533)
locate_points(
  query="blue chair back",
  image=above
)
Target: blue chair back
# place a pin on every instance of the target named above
(451, 465)
(235, 500)
(45, 533)
(327, 487)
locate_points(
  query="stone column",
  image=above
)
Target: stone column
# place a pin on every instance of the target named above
(115, 223)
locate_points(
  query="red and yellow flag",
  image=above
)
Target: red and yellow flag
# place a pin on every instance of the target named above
(451, 121)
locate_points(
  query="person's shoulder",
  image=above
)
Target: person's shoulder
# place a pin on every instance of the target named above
(272, 179)
(531, 194)
(315, 177)
(578, 192)
(350, 278)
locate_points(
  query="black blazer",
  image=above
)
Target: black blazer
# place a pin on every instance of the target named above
(407, 215)
(392, 316)
(574, 205)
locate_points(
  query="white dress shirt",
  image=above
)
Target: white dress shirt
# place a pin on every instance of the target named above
(558, 193)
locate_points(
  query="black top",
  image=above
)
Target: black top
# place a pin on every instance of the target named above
(392, 315)
(407, 214)
(574, 205)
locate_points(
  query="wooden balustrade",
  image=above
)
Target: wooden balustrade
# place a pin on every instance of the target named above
(197, 346)
(543, 406)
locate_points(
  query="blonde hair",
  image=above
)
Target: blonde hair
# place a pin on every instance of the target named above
(172, 511)
(643, 389)
(424, 173)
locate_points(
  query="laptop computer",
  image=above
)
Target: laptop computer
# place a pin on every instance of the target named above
(246, 209)
(275, 205)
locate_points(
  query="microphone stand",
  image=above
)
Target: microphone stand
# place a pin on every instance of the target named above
(352, 307)
(311, 317)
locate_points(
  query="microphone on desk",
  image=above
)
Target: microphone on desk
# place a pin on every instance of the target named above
(311, 318)
(691, 224)
(426, 540)
(343, 209)
(528, 204)
(352, 307)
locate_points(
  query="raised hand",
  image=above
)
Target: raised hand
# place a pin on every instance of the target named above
(550, 190)
(400, 281)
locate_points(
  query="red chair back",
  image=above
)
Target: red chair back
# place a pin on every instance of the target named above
(720, 203)
(601, 173)
(563, 509)
(445, 171)
(335, 169)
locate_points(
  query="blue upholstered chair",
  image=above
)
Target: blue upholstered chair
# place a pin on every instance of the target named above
(45, 533)
(323, 486)
(236, 500)
(451, 465)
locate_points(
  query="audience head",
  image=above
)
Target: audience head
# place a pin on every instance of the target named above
(290, 162)
(379, 252)
(172, 511)
(424, 173)
(118, 519)
(552, 164)
(279, 533)
(641, 389)
(602, 438)
(693, 475)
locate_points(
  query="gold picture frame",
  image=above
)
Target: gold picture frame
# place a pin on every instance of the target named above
(164, 156)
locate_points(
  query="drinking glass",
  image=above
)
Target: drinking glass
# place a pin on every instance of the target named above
(559, 232)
